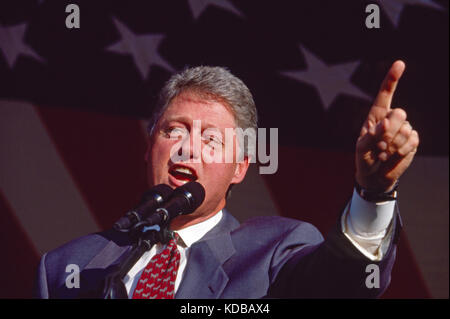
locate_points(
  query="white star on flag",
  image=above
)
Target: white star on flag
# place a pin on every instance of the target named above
(143, 49)
(198, 6)
(330, 81)
(12, 44)
(394, 8)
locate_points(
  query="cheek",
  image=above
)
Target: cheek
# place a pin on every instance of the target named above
(220, 174)
(158, 158)
(160, 151)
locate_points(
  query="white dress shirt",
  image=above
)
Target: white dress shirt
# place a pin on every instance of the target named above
(188, 236)
(365, 224)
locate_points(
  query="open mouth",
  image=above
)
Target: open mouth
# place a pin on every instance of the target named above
(183, 173)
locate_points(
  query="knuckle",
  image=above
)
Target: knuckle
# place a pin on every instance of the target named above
(388, 136)
(391, 150)
(402, 152)
(400, 141)
(399, 114)
(405, 150)
(406, 130)
(381, 145)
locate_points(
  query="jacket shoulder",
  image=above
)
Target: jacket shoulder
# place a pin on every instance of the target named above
(78, 251)
(81, 250)
(278, 229)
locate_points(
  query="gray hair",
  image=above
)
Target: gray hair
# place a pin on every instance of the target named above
(216, 83)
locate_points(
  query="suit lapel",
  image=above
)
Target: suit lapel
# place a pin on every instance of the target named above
(108, 256)
(204, 276)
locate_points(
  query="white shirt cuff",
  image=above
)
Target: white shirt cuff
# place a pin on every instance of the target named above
(366, 225)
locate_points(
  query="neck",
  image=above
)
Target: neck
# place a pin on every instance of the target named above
(184, 221)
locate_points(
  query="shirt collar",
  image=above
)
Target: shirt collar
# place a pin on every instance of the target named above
(193, 233)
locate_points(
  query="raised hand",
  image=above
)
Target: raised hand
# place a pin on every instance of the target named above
(387, 142)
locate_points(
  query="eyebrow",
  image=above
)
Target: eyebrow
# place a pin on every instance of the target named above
(184, 119)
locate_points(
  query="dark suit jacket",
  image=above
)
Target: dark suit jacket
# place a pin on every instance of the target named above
(271, 257)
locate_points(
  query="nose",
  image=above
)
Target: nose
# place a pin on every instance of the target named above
(190, 149)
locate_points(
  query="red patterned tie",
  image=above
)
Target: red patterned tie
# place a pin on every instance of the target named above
(158, 278)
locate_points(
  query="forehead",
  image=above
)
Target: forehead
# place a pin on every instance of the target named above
(189, 106)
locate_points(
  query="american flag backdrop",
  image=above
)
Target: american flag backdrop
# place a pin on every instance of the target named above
(73, 105)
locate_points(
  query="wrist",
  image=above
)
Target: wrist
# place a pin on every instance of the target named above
(376, 196)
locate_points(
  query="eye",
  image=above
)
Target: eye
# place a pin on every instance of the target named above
(213, 141)
(175, 132)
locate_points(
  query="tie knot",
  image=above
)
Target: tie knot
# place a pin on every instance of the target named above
(174, 240)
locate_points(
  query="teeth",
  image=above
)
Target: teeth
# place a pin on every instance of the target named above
(184, 170)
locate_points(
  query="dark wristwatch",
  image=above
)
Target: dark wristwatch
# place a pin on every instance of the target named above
(376, 197)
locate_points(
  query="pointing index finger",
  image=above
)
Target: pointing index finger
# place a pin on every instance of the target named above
(387, 89)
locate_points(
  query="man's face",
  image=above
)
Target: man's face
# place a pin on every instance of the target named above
(176, 132)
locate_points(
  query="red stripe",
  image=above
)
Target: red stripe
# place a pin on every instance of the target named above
(20, 259)
(104, 155)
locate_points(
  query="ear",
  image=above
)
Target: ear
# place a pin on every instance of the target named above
(240, 171)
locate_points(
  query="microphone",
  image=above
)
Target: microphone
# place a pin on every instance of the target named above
(150, 200)
(184, 200)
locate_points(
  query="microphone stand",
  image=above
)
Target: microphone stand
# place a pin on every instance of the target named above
(145, 237)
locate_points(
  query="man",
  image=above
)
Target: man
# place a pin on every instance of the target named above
(212, 256)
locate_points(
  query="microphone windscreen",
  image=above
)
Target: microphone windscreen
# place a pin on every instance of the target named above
(163, 190)
(197, 194)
